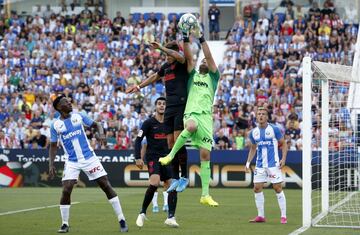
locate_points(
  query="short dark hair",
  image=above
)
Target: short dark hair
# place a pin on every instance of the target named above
(173, 45)
(160, 98)
(57, 100)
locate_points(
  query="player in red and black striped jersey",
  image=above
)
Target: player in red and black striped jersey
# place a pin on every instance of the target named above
(175, 75)
(155, 132)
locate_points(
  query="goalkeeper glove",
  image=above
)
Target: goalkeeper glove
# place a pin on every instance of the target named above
(198, 33)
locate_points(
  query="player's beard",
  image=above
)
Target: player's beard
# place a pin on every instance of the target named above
(203, 69)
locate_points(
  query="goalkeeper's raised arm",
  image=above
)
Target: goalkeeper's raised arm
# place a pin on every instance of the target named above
(205, 47)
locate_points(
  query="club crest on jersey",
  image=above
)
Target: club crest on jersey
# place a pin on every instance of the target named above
(75, 121)
(268, 134)
(256, 134)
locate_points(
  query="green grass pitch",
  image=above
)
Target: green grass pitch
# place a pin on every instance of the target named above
(94, 215)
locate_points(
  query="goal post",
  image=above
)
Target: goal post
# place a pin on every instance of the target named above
(306, 152)
(330, 132)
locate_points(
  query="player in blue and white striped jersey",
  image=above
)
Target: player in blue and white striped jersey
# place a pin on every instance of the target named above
(265, 140)
(69, 129)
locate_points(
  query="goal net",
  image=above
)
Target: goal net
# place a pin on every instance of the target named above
(331, 173)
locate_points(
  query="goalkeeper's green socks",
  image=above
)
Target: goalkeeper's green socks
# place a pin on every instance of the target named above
(180, 142)
(205, 177)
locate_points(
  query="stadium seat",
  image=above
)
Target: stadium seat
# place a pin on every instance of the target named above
(136, 16)
(147, 16)
(170, 15)
(158, 15)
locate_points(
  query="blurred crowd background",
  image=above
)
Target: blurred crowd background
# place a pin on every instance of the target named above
(93, 58)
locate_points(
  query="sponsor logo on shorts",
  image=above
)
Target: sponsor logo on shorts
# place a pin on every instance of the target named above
(272, 176)
(207, 140)
(201, 84)
(95, 169)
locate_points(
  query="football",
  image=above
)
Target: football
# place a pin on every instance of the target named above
(187, 22)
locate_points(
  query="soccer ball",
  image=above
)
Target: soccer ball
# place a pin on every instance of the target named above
(187, 22)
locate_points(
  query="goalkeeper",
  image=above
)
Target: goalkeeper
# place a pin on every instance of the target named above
(198, 111)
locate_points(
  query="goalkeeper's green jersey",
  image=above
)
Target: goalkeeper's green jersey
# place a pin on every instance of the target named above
(201, 91)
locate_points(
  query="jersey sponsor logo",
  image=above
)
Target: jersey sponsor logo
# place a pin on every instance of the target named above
(207, 140)
(201, 84)
(95, 169)
(266, 142)
(170, 76)
(160, 136)
(274, 177)
(71, 134)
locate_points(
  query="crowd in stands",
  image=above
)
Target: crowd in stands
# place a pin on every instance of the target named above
(92, 59)
(263, 67)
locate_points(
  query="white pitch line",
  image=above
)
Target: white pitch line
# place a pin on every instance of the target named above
(299, 230)
(32, 209)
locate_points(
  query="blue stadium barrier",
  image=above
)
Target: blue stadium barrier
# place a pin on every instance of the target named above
(228, 168)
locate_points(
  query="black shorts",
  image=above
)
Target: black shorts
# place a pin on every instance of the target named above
(173, 118)
(154, 167)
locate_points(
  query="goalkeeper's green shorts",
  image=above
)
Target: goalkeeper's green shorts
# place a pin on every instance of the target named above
(203, 136)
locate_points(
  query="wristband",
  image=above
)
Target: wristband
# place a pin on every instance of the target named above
(247, 164)
(202, 39)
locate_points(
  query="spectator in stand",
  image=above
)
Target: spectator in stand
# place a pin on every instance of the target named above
(292, 131)
(40, 140)
(123, 142)
(239, 140)
(221, 141)
(214, 24)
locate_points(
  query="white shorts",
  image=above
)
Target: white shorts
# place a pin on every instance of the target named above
(262, 175)
(92, 167)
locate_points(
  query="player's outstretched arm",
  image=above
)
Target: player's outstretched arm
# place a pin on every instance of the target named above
(208, 56)
(205, 47)
(151, 79)
(178, 57)
(250, 156)
(139, 154)
(143, 151)
(52, 151)
(188, 54)
(52, 154)
(284, 149)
